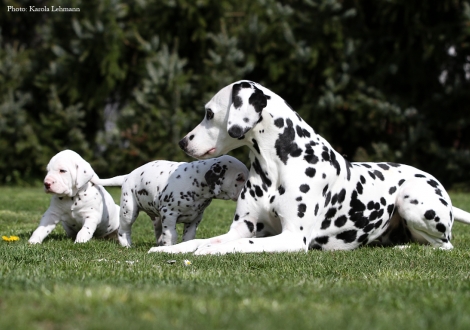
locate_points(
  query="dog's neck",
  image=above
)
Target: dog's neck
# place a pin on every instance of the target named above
(279, 137)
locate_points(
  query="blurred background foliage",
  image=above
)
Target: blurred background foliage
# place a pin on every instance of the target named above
(121, 82)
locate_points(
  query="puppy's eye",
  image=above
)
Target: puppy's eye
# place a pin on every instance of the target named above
(62, 171)
(209, 114)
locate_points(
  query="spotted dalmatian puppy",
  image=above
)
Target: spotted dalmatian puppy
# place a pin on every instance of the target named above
(172, 193)
(84, 209)
(302, 194)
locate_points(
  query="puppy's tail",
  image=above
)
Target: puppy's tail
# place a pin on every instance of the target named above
(116, 181)
(461, 215)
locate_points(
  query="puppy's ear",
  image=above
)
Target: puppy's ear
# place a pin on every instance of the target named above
(240, 178)
(84, 172)
(245, 110)
(214, 177)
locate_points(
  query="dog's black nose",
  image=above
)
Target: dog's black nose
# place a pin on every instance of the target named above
(47, 185)
(183, 143)
(235, 131)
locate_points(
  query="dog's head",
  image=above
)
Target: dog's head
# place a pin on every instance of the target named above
(67, 172)
(230, 114)
(226, 177)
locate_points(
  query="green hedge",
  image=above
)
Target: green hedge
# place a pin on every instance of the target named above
(121, 82)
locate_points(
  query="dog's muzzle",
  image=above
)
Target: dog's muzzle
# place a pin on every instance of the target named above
(183, 143)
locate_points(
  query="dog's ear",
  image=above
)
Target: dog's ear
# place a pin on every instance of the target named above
(214, 177)
(240, 178)
(245, 110)
(84, 172)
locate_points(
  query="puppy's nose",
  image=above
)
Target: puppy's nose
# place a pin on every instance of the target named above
(183, 143)
(47, 185)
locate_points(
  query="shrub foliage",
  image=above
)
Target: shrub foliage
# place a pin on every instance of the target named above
(121, 82)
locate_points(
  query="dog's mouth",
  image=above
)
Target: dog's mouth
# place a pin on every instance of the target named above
(207, 154)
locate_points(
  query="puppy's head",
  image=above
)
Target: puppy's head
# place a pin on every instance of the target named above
(226, 177)
(67, 172)
(230, 114)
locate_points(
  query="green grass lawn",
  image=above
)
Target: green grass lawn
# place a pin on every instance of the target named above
(99, 285)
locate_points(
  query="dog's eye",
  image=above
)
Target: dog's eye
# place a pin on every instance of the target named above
(62, 171)
(209, 114)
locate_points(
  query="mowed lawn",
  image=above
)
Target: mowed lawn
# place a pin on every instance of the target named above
(99, 285)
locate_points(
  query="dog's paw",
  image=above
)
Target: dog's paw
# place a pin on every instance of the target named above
(82, 237)
(34, 241)
(209, 249)
(165, 249)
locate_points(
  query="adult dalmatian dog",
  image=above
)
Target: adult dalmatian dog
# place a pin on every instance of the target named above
(83, 208)
(171, 192)
(301, 194)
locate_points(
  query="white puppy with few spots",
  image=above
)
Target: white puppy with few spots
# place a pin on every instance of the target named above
(83, 208)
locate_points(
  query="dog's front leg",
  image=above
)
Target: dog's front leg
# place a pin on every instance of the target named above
(237, 230)
(284, 242)
(87, 231)
(169, 235)
(47, 224)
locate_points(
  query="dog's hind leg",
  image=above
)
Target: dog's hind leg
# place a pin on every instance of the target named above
(426, 210)
(127, 215)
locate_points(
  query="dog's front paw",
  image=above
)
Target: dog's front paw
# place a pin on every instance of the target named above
(165, 249)
(83, 237)
(34, 241)
(209, 249)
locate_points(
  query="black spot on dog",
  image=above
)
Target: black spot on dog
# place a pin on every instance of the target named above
(347, 236)
(310, 172)
(379, 175)
(322, 240)
(304, 188)
(325, 224)
(264, 178)
(250, 225)
(443, 201)
(420, 176)
(392, 190)
(255, 145)
(279, 122)
(363, 180)
(341, 196)
(281, 190)
(441, 227)
(383, 166)
(341, 221)
(259, 226)
(429, 214)
(359, 188)
(401, 182)
(285, 145)
(433, 183)
(258, 191)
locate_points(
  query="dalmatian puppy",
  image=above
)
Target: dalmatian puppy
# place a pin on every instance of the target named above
(84, 209)
(171, 193)
(301, 194)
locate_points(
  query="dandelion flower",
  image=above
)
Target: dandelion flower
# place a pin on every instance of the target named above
(11, 238)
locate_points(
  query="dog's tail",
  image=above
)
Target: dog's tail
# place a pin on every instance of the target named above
(461, 215)
(116, 181)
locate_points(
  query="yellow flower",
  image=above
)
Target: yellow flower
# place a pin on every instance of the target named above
(11, 238)
(187, 262)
